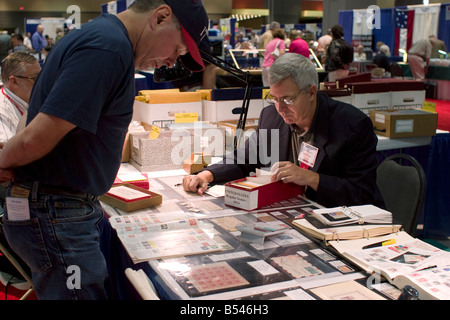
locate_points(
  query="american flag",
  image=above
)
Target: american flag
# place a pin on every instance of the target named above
(404, 22)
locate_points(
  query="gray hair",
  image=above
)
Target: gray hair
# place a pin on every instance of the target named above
(297, 67)
(274, 25)
(385, 49)
(15, 63)
(142, 6)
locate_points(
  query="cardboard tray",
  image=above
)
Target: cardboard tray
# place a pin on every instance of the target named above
(154, 200)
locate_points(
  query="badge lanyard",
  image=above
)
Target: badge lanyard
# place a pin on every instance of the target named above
(12, 101)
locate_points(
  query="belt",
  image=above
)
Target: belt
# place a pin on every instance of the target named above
(37, 188)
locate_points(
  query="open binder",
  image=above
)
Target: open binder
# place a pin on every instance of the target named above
(315, 229)
(406, 261)
(339, 216)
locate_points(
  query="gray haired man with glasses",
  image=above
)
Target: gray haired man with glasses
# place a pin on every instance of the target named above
(306, 138)
(19, 71)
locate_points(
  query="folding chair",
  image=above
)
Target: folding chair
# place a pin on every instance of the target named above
(402, 183)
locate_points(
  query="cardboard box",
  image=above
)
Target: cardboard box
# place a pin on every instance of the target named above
(164, 106)
(407, 99)
(385, 85)
(372, 101)
(126, 150)
(258, 197)
(404, 123)
(230, 130)
(215, 111)
(154, 200)
(173, 147)
(196, 162)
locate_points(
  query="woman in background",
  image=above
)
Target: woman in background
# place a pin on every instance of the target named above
(269, 57)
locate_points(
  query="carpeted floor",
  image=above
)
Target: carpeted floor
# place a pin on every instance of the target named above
(443, 111)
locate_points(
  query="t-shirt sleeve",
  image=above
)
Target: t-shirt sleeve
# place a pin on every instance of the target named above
(86, 83)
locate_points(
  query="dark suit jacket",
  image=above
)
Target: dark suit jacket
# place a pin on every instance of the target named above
(346, 160)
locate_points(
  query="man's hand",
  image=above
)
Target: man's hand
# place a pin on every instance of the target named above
(289, 172)
(197, 183)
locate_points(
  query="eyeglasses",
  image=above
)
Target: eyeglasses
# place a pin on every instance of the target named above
(30, 78)
(287, 101)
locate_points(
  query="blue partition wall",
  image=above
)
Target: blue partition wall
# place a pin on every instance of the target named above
(386, 33)
(444, 24)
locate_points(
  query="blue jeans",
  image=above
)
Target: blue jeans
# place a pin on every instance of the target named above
(60, 244)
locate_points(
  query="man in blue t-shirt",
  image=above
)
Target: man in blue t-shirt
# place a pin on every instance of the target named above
(70, 151)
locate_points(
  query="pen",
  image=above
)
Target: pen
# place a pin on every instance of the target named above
(379, 244)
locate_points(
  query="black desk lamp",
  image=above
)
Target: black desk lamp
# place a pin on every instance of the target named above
(177, 72)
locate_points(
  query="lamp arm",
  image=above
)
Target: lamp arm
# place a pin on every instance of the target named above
(246, 79)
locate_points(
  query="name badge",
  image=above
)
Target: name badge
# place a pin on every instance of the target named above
(308, 155)
(18, 209)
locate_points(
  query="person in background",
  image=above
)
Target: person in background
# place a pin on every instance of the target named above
(59, 34)
(344, 170)
(382, 58)
(418, 58)
(27, 41)
(269, 57)
(5, 44)
(19, 72)
(38, 39)
(70, 151)
(17, 43)
(322, 44)
(298, 45)
(267, 36)
(255, 40)
(360, 55)
(339, 55)
(45, 52)
(436, 45)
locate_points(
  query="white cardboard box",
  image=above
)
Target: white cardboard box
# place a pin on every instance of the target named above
(164, 111)
(407, 99)
(215, 111)
(371, 101)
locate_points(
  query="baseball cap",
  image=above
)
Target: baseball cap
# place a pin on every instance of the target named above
(194, 25)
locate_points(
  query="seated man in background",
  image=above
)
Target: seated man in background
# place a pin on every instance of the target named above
(19, 71)
(344, 170)
(382, 58)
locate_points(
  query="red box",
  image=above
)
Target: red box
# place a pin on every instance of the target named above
(257, 197)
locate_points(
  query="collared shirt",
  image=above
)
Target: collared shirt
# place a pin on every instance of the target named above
(38, 41)
(11, 110)
(297, 138)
